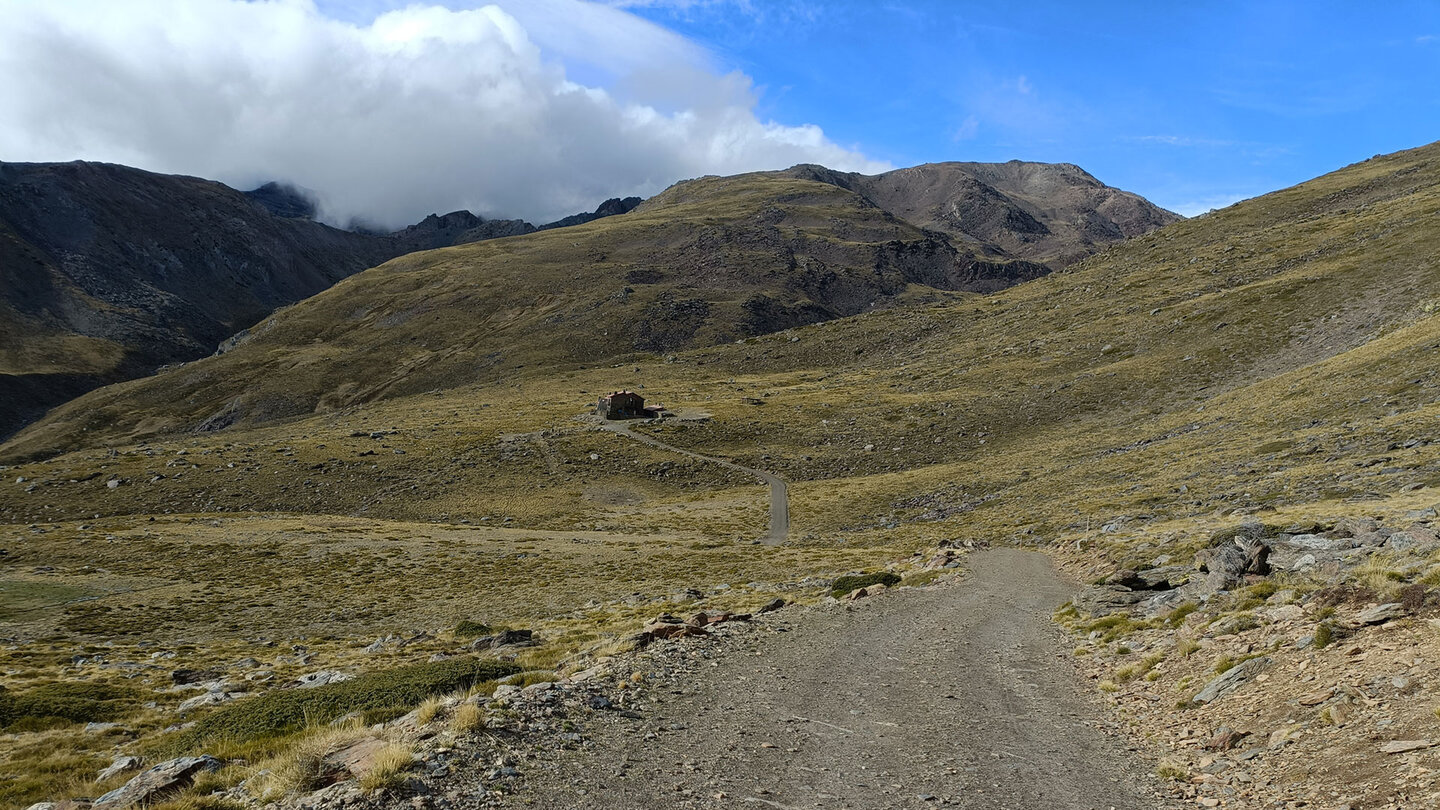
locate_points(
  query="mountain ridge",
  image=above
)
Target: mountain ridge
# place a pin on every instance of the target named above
(189, 278)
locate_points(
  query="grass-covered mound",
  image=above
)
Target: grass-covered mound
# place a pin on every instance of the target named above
(846, 584)
(374, 694)
(56, 703)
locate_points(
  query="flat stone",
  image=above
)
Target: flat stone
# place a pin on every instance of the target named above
(355, 758)
(1232, 679)
(119, 766)
(1403, 746)
(505, 638)
(1379, 614)
(167, 777)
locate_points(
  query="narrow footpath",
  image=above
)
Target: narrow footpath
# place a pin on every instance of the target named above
(959, 695)
(779, 492)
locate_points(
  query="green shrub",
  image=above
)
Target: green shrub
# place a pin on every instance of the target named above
(846, 584)
(1177, 616)
(468, 628)
(55, 703)
(387, 693)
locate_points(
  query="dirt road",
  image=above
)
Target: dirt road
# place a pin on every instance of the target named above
(779, 492)
(958, 696)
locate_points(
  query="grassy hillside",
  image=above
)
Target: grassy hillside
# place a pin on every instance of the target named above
(709, 261)
(407, 429)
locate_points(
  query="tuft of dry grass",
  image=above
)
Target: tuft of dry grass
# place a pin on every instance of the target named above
(388, 769)
(467, 717)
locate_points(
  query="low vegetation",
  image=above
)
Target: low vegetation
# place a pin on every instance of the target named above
(375, 696)
(851, 582)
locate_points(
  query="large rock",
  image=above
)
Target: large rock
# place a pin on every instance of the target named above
(321, 678)
(1102, 600)
(1227, 564)
(161, 780)
(1417, 538)
(505, 638)
(1232, 679)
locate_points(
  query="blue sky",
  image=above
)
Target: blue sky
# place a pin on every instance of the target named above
(1191, 104)
(392, 109)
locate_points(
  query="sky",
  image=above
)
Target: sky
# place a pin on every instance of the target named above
(387, 111)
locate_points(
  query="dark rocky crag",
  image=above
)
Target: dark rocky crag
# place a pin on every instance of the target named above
(108, 272)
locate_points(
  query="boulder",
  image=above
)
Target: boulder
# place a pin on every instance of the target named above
(321, 678)
(772, 606)
(669, 630)
(1417, 538)
(161, 780)
(1232, 679)
(505, 638)
(1102, 600)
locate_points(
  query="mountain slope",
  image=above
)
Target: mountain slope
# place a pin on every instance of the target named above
(708, 261)
(1072, 394)
(1269, 368)
(107, 272)
(1052, 213)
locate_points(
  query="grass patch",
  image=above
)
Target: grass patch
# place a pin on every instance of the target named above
(389, 691)
(1176, 617)
(1114, 626)
(846, 584)
(468, 717)
(468, 628)
(58, 703)
(389, 769)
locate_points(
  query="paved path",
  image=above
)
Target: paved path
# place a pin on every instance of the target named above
(779, 492)
(960, 695)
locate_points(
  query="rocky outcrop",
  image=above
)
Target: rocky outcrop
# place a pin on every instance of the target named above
(108, 272)
(156, 783)
(611, 207)
(1047, 213)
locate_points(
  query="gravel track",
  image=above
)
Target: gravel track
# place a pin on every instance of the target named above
(959, 695)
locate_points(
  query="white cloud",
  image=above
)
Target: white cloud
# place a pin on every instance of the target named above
(1204, 205)
(968, 129)
(535, 109)
(1180, 140)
